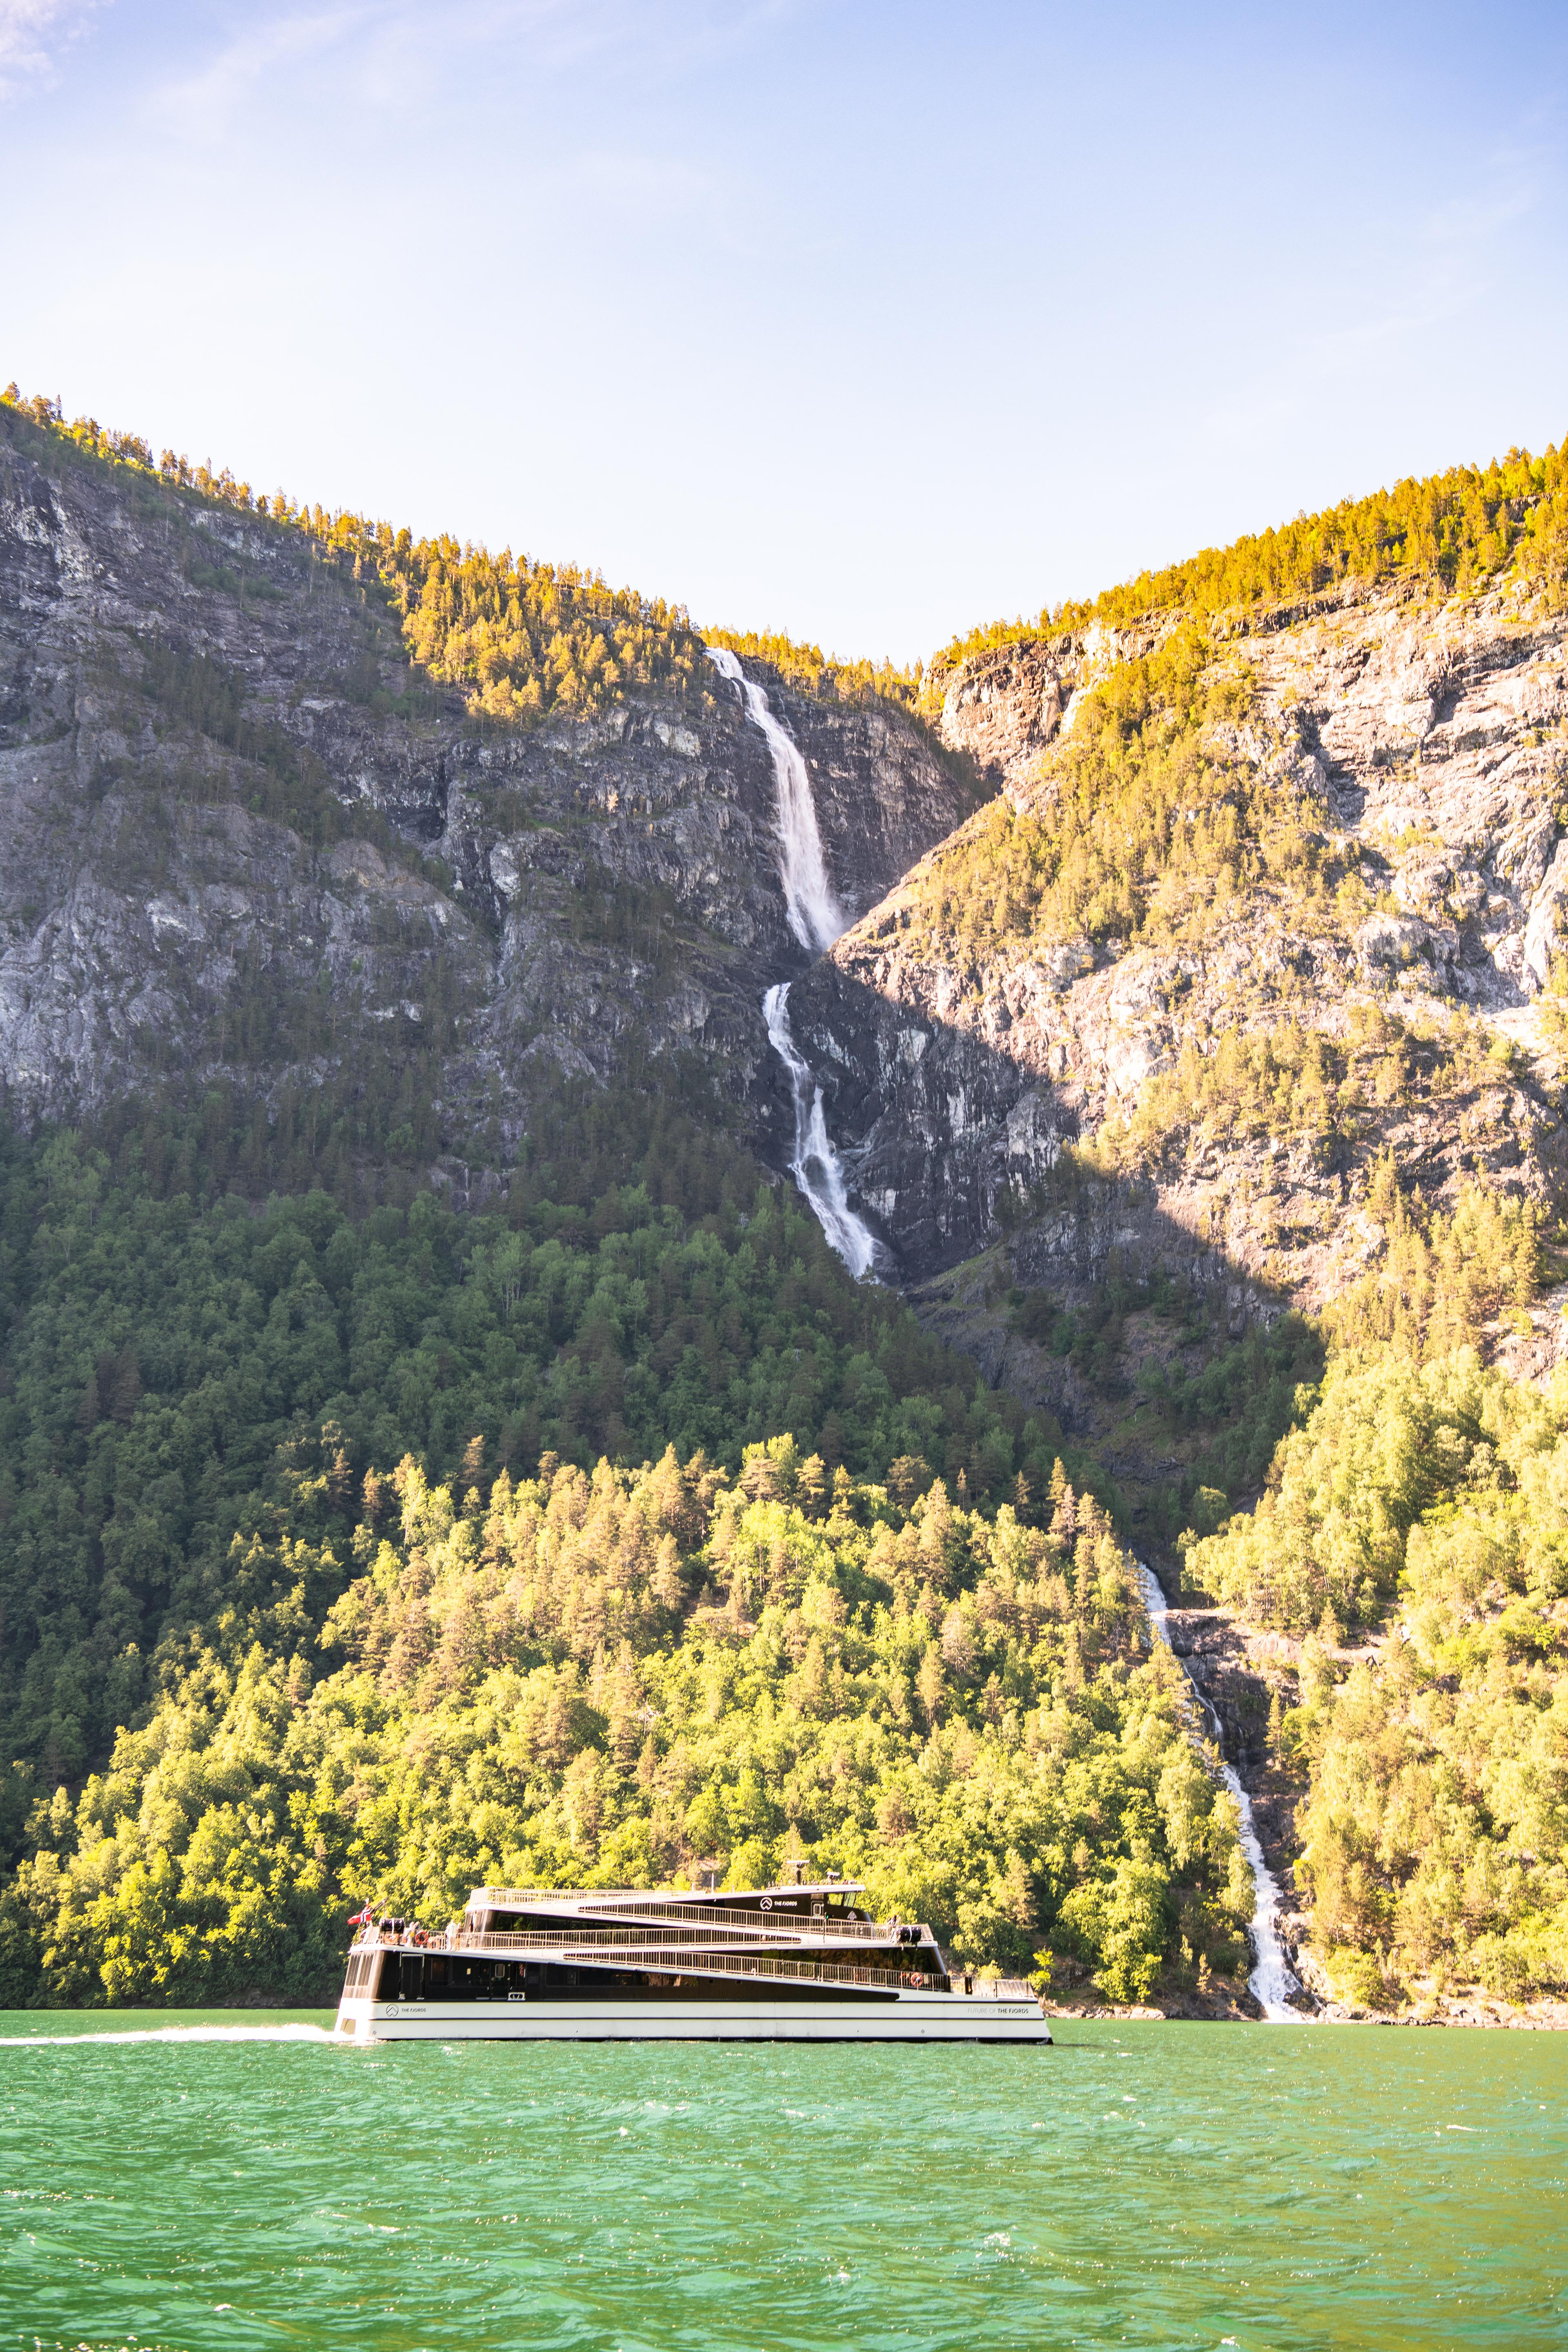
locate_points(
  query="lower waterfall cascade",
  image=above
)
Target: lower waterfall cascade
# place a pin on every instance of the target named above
(1271, 1982)
(816, 1167)
(816, 920)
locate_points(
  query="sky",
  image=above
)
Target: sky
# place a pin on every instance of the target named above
(866, 321)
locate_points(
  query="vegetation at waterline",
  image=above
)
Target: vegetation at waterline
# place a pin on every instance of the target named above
(608, 1678)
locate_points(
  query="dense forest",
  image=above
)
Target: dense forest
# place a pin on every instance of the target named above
(174, 1366)
(1427, 1503)
(245, 1450)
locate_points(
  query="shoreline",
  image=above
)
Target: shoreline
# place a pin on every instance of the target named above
(1481, 2014)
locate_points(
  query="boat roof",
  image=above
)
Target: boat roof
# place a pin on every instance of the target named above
(507, 1898)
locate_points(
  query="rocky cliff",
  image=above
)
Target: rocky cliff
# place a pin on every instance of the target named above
(1421, 749)
(243, 839)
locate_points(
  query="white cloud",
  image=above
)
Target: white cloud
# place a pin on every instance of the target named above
(32, 32)
(391, 56)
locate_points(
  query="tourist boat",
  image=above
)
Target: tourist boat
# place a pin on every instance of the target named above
(796, 1963)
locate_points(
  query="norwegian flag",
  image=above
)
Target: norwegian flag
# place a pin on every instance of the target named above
(360, 1918)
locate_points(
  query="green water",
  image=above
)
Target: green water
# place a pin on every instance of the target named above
(1160, 2185)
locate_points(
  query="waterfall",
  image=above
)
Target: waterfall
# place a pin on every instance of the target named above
(817, 918)
(814, 915)
(1271, 1982)
(816, 1167)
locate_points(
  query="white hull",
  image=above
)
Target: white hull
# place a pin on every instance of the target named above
(912, 2017)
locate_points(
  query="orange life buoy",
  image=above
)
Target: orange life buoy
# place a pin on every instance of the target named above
(916, 1978)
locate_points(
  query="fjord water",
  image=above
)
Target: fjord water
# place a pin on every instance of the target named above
(239, 2186)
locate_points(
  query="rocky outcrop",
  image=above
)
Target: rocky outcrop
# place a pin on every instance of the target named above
(184, 691)
(1008, 705)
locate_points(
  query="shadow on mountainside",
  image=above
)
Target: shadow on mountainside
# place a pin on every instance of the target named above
(1112, 1299)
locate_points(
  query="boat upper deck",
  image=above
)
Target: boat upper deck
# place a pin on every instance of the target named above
(794, 1913)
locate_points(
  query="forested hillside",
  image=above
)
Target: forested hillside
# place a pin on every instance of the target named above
(600, 1680)
(517, 638)
(178, 1370)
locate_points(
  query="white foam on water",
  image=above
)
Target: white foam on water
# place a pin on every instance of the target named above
(816, 920)
(1271, 1982)
(814, 915)
(169, 2034)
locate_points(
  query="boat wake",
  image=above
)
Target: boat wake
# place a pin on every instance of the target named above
(168, 2033)
(1271, 1982)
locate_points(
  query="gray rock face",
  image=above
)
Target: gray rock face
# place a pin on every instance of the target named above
(1428, 750)
(567, 890)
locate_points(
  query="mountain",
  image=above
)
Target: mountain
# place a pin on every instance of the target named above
(437, 1439)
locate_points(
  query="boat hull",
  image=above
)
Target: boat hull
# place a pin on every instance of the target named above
(910, 2016)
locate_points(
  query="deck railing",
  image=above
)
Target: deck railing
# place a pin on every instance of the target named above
(616, 1939)
(672, 1958)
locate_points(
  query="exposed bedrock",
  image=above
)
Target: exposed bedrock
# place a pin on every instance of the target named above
(576, 889)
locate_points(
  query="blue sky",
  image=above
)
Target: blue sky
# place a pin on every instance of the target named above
(861, 320)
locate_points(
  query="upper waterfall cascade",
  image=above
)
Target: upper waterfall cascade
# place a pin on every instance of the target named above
(814, 915)
(816, 920)
(1271, 1982)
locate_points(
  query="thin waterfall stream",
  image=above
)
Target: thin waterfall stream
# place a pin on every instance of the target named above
(816, 920)
(1271, 1982)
